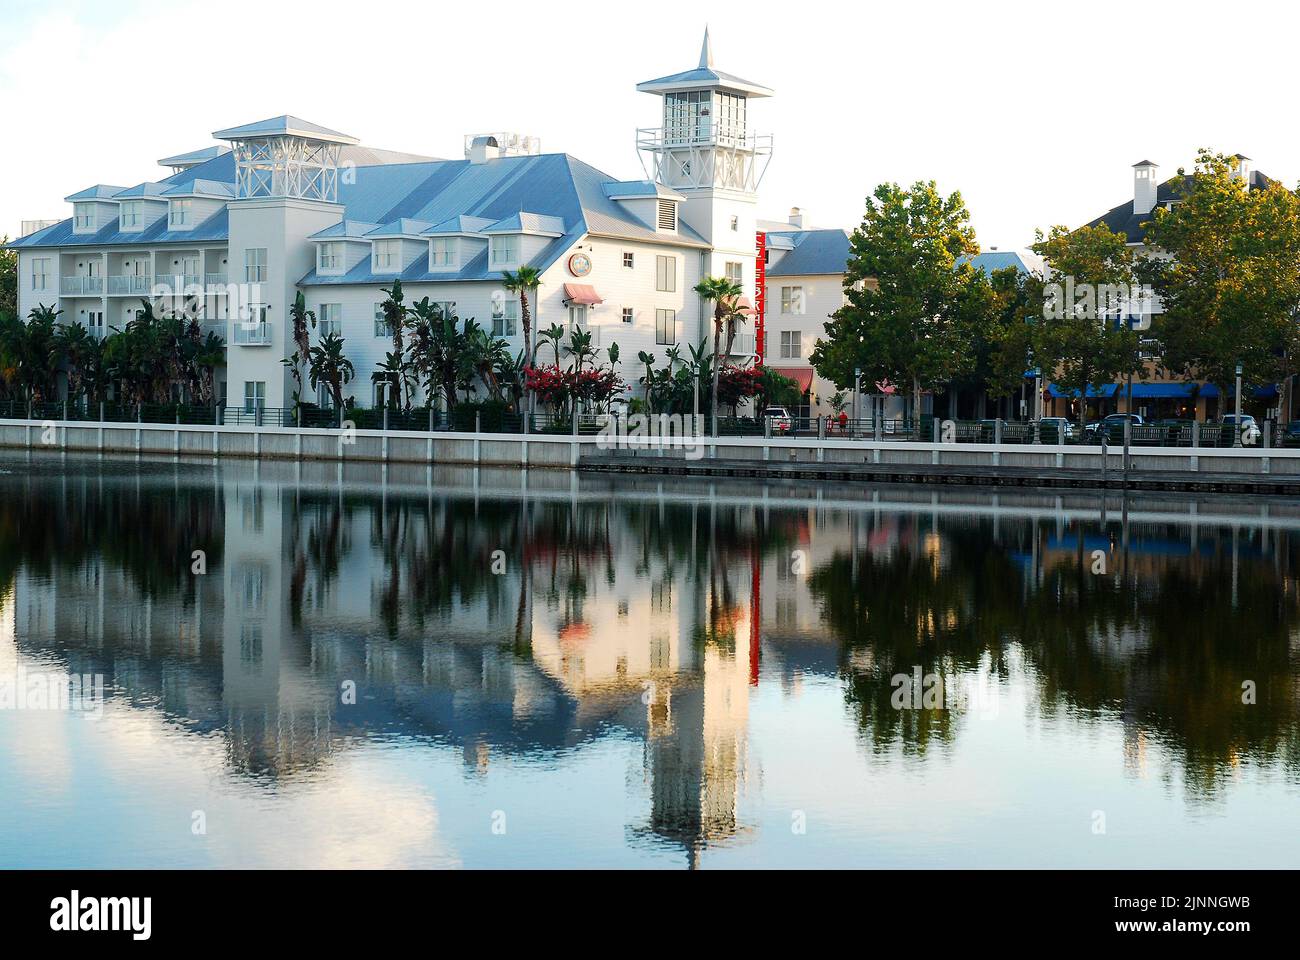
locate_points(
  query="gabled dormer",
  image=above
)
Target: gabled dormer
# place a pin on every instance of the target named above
(517, 239)
(654, 204)
(396, 245)
(455, 242)
(341, 247)
(93, 208)
(140, 206)
(190, 204)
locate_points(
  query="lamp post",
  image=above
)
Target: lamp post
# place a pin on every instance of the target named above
(1236, 439)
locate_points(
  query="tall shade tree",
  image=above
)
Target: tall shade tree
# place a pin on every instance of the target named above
(1226, 265)
(1083, 339)
(906, 310)
(8, 280)
(724, 293)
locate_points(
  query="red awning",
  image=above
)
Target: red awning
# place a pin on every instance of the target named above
(800, 375)
(581, 294)
(744, 305)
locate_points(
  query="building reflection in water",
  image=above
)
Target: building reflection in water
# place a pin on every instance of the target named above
(531, 622)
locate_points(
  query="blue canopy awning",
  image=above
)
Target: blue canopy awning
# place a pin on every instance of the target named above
(1157, 391)
(1105, 393)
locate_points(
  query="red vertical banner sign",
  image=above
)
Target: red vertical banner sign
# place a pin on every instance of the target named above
(760, 296)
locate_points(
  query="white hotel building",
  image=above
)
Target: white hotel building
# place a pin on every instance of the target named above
(287, 206)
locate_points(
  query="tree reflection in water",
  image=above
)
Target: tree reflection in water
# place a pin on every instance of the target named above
(527, 626)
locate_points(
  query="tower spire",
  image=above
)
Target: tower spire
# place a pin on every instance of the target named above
(706, 52)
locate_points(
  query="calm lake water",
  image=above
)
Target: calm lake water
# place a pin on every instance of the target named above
(403, 667)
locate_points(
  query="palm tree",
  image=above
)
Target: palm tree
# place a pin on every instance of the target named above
(555, 334)
(522, 282)
(724, 293)
(210, 355)
(300, 316)
(329, 365)
(395, 313)
(69, 348)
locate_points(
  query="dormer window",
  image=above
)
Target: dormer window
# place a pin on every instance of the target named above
(181, 213)
(442, 252)
(83, 217)
(131, 214)
(388, 256)
(668, 215)
(329, 257)
(505, 250)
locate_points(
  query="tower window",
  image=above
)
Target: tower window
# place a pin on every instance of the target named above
(629, 260)
(667, 215)
(735, 271)
(627, 314)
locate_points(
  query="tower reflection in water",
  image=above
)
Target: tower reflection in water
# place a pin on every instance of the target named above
(532, 622)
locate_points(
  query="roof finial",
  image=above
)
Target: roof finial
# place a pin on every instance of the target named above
(706, 51)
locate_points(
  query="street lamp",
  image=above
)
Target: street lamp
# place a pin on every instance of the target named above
(1236, 439)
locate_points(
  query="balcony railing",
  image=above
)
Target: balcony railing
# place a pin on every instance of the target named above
(217, 279)
(126, 286)
(703, 135)
(81, 286)
(178, 283)
(252, 334)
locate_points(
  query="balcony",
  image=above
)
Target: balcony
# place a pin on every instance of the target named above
(179, 284)
(216, 280)
(129, 286)
(252, 334)
(81, 286)
(702, 134)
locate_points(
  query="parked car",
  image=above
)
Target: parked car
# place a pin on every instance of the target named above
(782, 422)
(1059, 429)
(1249, 429)
(1291, 434)
(1111, 426)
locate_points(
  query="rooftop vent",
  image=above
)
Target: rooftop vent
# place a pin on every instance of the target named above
(481, 147)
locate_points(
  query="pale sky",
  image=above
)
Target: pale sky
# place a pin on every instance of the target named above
(1034, 111)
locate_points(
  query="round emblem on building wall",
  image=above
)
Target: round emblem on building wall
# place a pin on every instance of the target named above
(580, 264)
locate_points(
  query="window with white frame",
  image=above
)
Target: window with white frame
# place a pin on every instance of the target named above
(666, 327)
(792, 301)
(791, 344)
(444, 309)
(442, 252)
(330, 319)
(577, 316)
(255, 265)
(41, 273)
(505, 249)
(505, 315)
(388, 255)
(382, 326)
(666, 274)
(329, 257)
(628, 314)
(131, 215)
(254, 395)
(735, 224)
(181, 212)
(629, 259)
(735, 271)
(83, 217)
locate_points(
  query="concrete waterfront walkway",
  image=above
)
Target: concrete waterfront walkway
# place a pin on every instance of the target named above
(1270, 471)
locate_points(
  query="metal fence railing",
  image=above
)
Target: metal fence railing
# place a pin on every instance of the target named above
(467, 419)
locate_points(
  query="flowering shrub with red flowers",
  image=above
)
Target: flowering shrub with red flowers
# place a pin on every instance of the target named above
(559, 387)
(736, 384)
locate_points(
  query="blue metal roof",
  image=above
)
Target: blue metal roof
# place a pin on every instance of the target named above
(193, 157)
(639, 188)
(550, 193)
(100, 191)
(203, 188)
(815, 253)
(284, 125)
(345, 230)
(991, 260)
(401, 227)
(458, 226)
(143, 191)
(523, 222)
